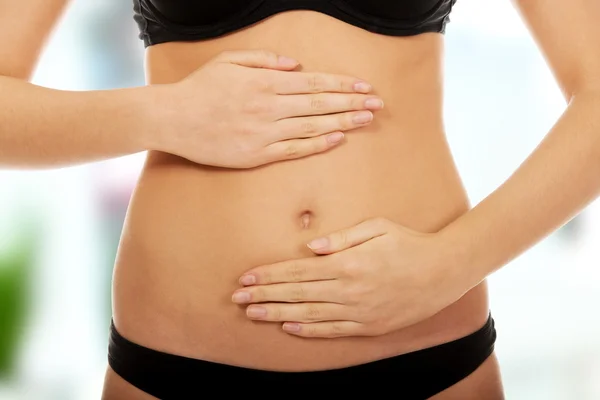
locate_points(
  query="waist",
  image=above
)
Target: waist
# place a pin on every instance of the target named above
(407, 175)
(192, 230)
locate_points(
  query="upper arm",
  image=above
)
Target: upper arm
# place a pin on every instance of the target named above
(568, 34)
(24, 27)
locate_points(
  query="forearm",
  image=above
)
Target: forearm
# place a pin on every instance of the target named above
(551, 186)
(42, 127)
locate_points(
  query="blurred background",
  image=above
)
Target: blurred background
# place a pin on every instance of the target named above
(59, 229)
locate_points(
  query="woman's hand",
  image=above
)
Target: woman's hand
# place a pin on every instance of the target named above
(373, 278)
(243, 109)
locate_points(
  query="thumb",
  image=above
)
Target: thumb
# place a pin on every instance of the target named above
(258, 59)
(349, 237)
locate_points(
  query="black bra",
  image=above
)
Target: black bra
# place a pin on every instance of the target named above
(162, 21)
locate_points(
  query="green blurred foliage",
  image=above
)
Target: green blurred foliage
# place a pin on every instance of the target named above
(16, 266)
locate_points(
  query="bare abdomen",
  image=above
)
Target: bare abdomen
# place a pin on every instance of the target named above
(192, 230)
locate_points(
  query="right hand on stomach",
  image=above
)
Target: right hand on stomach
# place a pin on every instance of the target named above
(243, 109)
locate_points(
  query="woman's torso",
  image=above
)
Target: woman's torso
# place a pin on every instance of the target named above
(191, 230)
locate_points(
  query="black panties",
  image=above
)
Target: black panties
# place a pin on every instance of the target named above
(412, 376)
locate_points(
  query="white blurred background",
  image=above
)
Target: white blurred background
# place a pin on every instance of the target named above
(59, 228)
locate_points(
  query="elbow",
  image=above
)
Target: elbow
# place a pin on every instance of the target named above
(586, 88)
(590, 95)
(23, 72)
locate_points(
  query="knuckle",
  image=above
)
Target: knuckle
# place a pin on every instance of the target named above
(317, 103)
(242, 148)
(248, 129)
(311, 313)
(291, 150)
(315, 83)
(284, 86)
(257, 107)
(380, 222)
(308, 127)
(275, 313)
(336, 262)
(266, 277)
(311, 330)
(261, 83)
(356, 102)
(258, 294)
(267, 55)
(346, 120)
(343, 237)
(350, 267)
(319, 146)
(337, 328)
(296, 272)
(298, 293)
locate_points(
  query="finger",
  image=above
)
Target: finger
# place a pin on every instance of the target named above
(324, 103)
(300, 312)
(305, 127)
(300, 270)
(258, 59)
(303, 82)
(330, 329)
(298, 148)
(349, 237)
(328, 291)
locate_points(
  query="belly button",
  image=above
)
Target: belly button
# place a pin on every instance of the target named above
(305, 219)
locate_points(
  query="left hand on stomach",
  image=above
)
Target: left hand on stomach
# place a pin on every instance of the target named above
(372, 279)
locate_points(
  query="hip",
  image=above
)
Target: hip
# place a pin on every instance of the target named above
(464, 368)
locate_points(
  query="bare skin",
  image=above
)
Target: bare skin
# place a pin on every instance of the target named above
(191, 230)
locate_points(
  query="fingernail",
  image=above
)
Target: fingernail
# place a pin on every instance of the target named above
(291, 327)
(335, 137)
(247, 280)
(256, 312)
(241, 297)
(363, 117)
(362, 87)
(374, 104)
(318, 243)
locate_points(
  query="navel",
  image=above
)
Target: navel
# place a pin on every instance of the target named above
(305, 219)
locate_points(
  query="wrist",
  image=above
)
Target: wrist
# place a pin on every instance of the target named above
(457, 249)
(153, 116)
